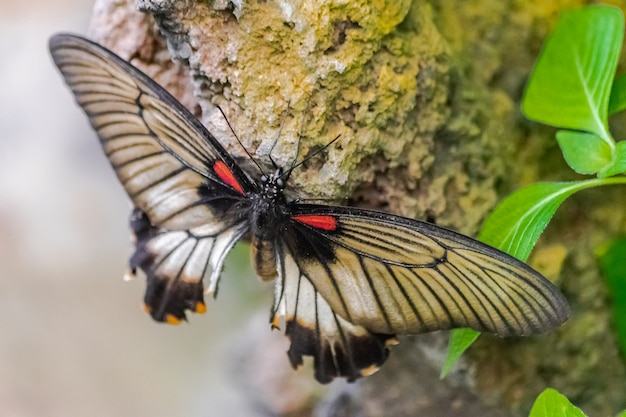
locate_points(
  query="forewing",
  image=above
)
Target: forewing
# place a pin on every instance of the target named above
(395, 275)
(338, 347)
(175, 263)
(172, 168)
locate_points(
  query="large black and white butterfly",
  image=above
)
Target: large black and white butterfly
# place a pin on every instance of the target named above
(347, 280)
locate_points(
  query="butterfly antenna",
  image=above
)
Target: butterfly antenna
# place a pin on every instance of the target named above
(295, 157)
(280, 131)
(239, 141)
(294, 166)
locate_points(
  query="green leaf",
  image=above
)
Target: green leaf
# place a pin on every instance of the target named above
(460, 340)
(618, 166)
(551, 403)
(571, 82)
(584, 152)
(622, 414)
(518, 221)
(614, 268)
(617, 101)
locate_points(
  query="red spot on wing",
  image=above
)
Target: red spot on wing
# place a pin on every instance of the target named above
(319, 222)
(227, 176)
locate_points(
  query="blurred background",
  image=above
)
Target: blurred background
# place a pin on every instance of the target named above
(74, 340)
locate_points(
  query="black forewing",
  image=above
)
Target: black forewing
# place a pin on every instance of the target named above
(396, 275)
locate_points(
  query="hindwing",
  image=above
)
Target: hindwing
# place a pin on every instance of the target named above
(176, 262)
(338, 347)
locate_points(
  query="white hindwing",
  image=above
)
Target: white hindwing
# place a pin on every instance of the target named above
(338, 347)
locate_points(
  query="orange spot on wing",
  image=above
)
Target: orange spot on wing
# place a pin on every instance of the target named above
(227, 176)
(200, 308)
(170, 319)
(372, 369)
(319, 222)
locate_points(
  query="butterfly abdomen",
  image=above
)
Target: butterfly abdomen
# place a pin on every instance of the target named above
(264, 258)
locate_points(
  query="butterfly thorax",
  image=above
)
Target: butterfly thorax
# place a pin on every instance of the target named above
(269, 210)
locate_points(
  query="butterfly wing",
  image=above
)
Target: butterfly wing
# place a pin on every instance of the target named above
(338, 347)
(172, 168)
(393, 275)
(189, 193)
(175, 263)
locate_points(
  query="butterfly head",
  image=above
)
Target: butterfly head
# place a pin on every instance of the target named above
(273, 184)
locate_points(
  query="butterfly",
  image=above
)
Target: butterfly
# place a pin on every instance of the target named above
(347, 280)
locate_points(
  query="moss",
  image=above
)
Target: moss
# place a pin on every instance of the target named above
(357, 69)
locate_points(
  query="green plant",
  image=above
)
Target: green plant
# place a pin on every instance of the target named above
(551, 403)
(571, 88)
